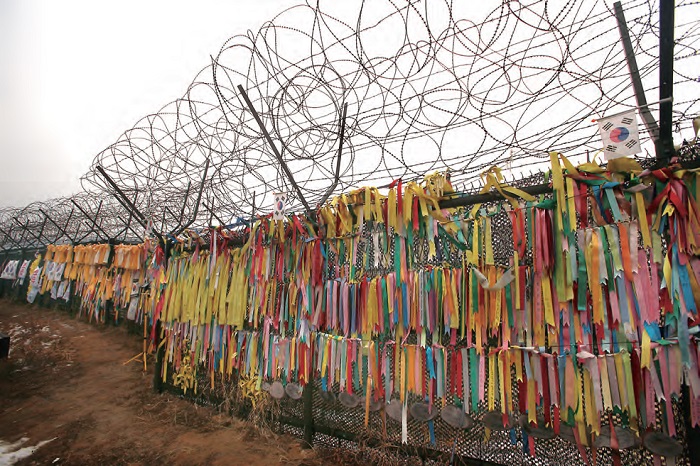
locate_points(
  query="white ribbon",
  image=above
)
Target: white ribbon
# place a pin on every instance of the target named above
(505, 279)
(404, 423)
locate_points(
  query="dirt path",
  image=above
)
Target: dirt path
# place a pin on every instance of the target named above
(65, 381)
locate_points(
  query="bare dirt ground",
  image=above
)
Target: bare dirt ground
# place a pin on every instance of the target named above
(65, 380)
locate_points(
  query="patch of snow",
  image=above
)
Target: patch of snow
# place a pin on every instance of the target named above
(11, 453)
(17, 330)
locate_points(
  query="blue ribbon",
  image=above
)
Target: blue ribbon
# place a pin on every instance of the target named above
(430, 362)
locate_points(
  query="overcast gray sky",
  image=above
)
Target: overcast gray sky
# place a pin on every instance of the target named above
(75, 74)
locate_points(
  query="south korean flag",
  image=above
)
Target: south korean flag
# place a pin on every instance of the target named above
(620, 135)
(280, 206)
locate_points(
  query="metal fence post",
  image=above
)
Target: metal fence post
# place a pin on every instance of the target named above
(160, 353)
(692, 434)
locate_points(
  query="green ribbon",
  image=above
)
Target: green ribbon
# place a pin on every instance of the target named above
(509, 304)
(385, 300)
(473, 376)
(606, 245)
(582, 281)
(450, 239)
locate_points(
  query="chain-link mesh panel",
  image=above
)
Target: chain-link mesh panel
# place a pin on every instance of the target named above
(338, 426)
